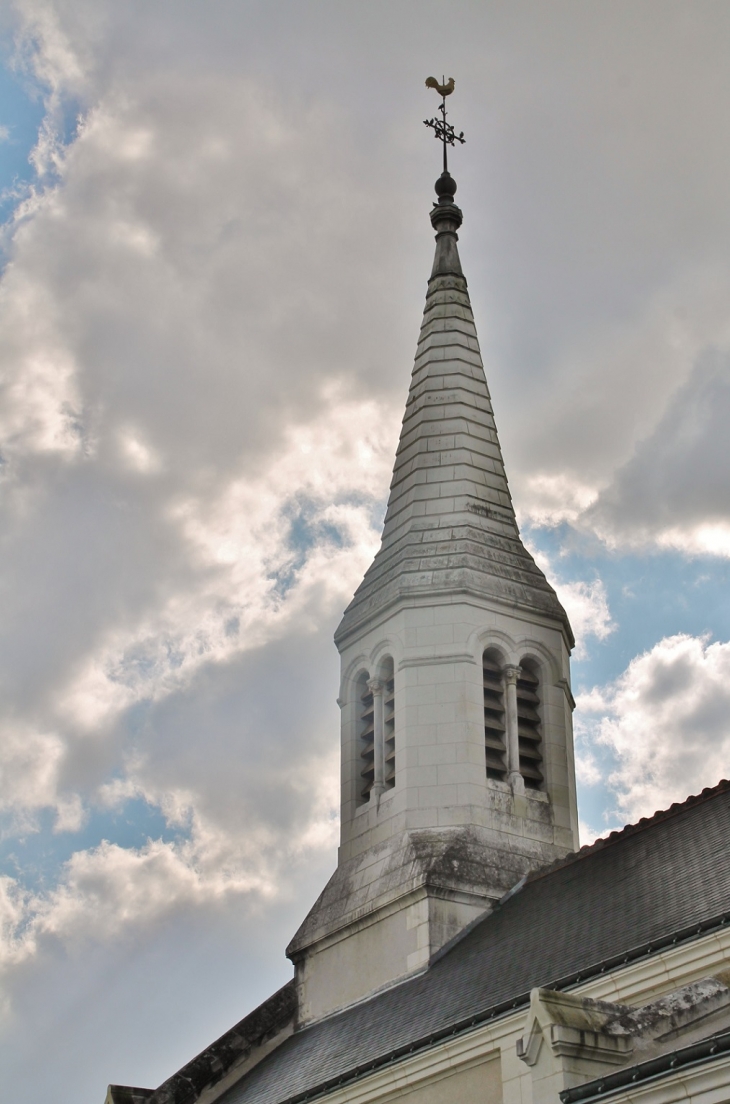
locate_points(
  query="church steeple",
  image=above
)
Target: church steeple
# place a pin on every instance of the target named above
(450, 524)
(457, 751)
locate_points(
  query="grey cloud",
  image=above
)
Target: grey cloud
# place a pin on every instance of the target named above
(677, 477)
(249, 737)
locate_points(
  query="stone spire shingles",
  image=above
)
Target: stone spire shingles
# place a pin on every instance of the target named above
(450, 525)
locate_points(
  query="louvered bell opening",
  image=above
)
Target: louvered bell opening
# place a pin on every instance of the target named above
(389, 728)
(366, 732)
(494, 718)
(528, 727)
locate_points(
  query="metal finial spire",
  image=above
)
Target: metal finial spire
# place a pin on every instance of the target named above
(443, 130)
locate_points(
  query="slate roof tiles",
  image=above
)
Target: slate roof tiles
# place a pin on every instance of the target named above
(663, 879)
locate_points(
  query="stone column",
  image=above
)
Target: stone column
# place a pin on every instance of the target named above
(376, 687)
(510, 675)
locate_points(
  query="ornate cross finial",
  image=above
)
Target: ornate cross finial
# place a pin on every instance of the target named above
(443, 130)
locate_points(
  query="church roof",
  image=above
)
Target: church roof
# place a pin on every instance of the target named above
(713, 1048)
(450, 524)
(652, 885)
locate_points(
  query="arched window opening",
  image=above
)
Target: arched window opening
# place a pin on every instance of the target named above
(366, 738)
(528, 726)
(388, 725)
(494, 717)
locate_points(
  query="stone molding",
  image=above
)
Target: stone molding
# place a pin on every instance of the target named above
(445, 657)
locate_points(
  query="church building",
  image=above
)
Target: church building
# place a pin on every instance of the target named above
(465, 951)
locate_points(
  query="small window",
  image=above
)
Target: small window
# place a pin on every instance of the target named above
(388, 725)
(366, 738)
(494, 717)
(528, 726)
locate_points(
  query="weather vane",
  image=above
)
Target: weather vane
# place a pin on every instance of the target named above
(443, 130)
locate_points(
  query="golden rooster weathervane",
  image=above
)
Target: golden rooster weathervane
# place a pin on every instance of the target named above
(443, 130)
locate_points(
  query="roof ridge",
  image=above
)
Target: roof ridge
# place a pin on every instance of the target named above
(723, 786)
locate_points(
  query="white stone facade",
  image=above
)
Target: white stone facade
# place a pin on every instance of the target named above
(441, 777)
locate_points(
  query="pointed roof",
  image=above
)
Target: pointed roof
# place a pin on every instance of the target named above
(450, 525)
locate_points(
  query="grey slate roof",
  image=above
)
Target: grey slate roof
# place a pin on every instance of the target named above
(450, 524)
(661, 880)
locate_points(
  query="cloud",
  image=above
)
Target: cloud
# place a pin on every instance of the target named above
(257, 549)
(107, 891)
(646, 429)
(187, 483)
(587, 769)
(587, 835)
(585, 602)
(263, 561)
(666, 720)
(674, 491)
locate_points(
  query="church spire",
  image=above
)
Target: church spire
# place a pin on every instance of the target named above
(456, 735)
(450, 524)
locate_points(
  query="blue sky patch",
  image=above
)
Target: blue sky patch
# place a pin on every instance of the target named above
(651, 595)
(21, 114)
(34, 857)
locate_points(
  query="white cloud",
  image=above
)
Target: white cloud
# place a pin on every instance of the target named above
(667, 722)
(48, 48)
(30, 779)
(588, 770)
(587, 835)
(108, 892)
(241, 545)
(138, 455)
(586, 603)
(547, 500)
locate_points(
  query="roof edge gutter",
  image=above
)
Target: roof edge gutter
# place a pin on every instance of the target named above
(696, 1054)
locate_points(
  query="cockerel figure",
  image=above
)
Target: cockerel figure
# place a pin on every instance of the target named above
(442, 89)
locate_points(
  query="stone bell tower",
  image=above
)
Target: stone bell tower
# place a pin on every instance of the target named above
(457, 746)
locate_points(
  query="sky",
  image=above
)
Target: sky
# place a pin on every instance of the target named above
(215, 246)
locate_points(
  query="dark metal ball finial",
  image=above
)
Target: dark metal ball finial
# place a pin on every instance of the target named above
(445, 187)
